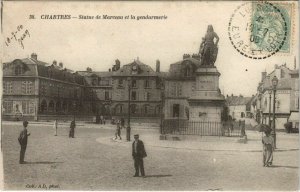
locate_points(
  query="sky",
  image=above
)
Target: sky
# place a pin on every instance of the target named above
(98, 43)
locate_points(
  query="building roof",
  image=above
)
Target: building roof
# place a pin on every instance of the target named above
(136, 68)
(238, 100)
(193, 60)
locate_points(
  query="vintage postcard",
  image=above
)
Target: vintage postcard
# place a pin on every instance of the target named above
(150, 95)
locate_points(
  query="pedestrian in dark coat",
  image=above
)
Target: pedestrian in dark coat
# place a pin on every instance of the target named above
(138, 153)
(23, 137)
(72, 129)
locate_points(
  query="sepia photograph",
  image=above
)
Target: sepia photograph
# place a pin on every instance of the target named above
(150, 95)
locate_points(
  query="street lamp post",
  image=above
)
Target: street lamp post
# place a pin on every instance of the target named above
(74, 107)
(161, 111)
(128, 129)
(274, 83)
(270, 94)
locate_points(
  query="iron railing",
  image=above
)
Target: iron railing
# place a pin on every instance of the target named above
(203, 128)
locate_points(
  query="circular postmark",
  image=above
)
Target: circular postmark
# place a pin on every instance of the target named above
(257, 30)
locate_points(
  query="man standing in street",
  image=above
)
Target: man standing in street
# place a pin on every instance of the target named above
(55, 127)
(23, 141)
(72, 129)
(138, 153)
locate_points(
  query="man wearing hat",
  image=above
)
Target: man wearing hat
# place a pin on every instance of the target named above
(23, 141)
(138, 153)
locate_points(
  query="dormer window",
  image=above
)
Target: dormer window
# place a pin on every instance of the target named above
(134, 69)
(120, 82)
(18, 70)
(94, 81)
(50, 73)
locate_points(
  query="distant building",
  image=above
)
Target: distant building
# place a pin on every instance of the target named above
(287, 97)
(239, 106)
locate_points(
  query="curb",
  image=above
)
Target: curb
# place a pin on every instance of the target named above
(122, 143)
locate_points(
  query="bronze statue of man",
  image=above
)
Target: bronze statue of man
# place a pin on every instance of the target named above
(209, 48)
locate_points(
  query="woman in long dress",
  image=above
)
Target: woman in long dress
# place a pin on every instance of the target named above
(268, 148)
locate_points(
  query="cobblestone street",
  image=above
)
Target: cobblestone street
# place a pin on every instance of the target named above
(92, 161)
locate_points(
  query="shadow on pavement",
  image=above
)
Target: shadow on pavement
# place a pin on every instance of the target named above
(158, 176)
(42, 162)
(285, 166)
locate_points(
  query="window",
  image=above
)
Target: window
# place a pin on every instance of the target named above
(106, 95)
(43, 89)
(64, 106)
(58, 104)
(157, 110)
(147, 96)
(75, 93)
(18, 70)
(266, 102)
(43, 106)
(27, 87)
(175, 110)
(50, 73)
(120, 83)
(133, 83)
(146, 109)
(51, 106)
(133, 109)
(7, 107)
(133, 95)
(94, 81)
(119, 109)
(147, 83)
(27, 107)
(7, 87)
(158, 83)
(297, 102)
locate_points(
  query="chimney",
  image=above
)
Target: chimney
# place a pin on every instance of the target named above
(263, 75)
(34, 56)
(157, 66)
(61, 65)
(88, 69)
(196, 56)
(185, 56)
(109, 70)
(276, 66)
(118, 64)
(54, 62)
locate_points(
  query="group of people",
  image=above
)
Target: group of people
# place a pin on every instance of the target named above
(138, 148)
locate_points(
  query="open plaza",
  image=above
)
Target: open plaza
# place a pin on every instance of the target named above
(94, 161)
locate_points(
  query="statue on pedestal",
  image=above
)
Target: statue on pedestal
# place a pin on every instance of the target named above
(208, 48)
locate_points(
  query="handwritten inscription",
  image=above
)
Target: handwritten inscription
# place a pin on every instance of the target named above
(18, 36)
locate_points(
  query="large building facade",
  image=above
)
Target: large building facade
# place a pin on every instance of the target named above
(35, 90)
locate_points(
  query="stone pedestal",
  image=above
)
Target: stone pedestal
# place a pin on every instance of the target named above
(206, 103)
